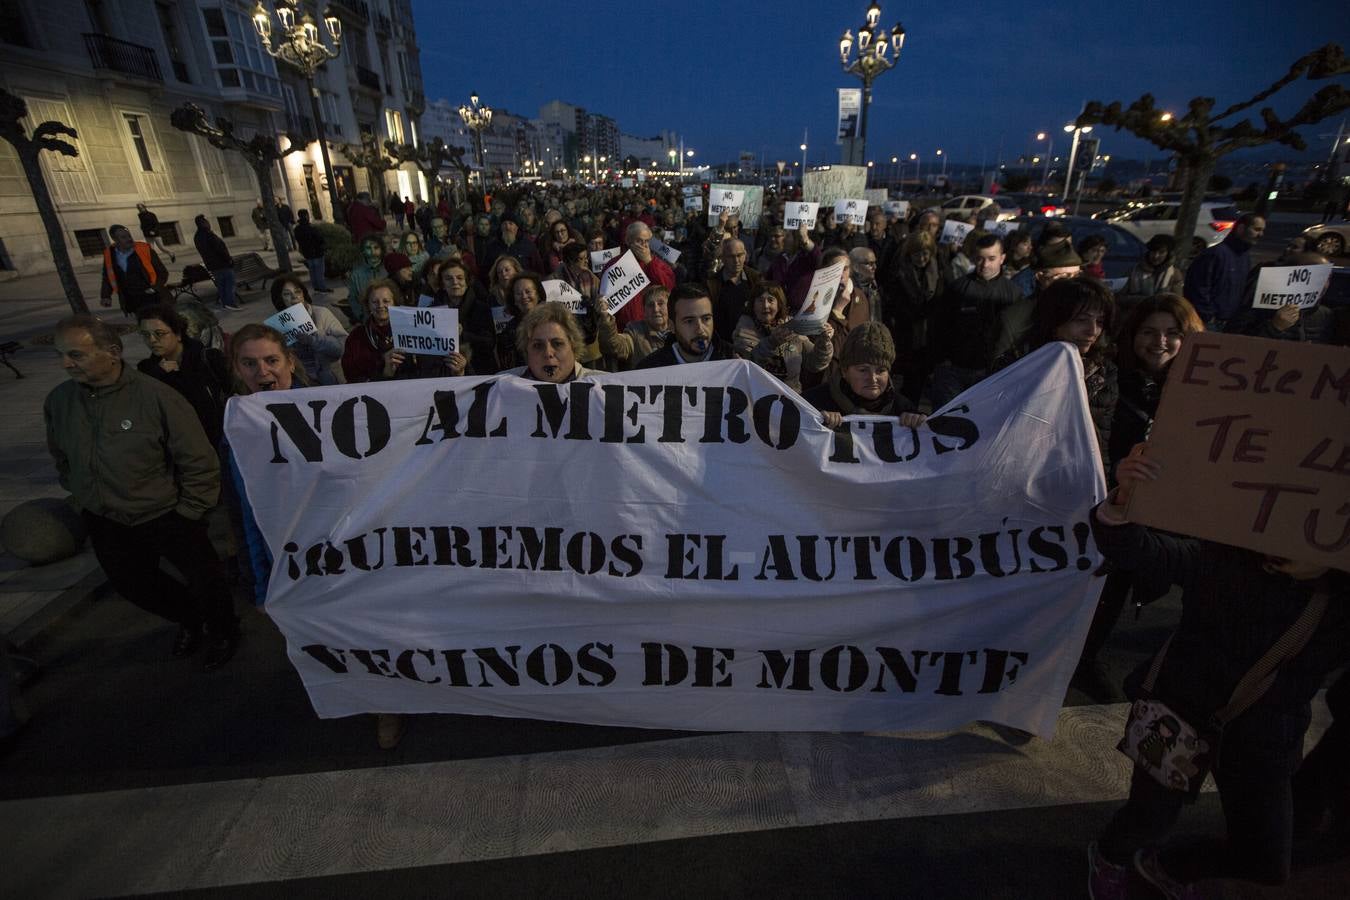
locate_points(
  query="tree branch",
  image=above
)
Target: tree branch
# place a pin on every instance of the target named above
(1324, 62)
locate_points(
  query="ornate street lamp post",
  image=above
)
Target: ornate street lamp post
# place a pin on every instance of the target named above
(299, 46)
(873, 45)
(476, 117)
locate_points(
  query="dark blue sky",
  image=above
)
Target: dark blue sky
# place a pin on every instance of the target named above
(738, 76)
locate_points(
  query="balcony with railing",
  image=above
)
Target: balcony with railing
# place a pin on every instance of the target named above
(368, 78)
(123, 57)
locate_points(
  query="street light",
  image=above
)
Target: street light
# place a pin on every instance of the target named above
(299, 46)
(477, 117)
(1073, 129)
(873, 45)
(944, 168)
(1049, 152)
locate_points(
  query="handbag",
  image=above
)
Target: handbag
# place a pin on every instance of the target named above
(1177, 754)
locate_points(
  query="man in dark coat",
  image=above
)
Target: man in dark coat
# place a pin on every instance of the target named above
(1215, 279)
(312, 248)
(691, 312)
(216, 257)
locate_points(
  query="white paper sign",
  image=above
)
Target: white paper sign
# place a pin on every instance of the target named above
(501, 316)
(833, 183)
(292, 322)
(1002, 229)
(621, 282)
(752, 201)
(1278, 286)
(727, 201)
(692, 190)
(851, 210)
(559, 291)
(426, 300)
(819, 299)
(664, 250)
(797, 213)
(600, 257)
(954, 232)
(693, 204)
(967, 597)
(433, 331)
(896, 208)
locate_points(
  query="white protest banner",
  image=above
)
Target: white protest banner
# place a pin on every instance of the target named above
(292, 322)
(751, 205)
(796, 214)
(621, 282)
(558, 291)
(896, 208)
(664, 250)
(853, 212)
(599, 258)
(433, 331)
(819, 299)
(954, 232)
(1002, 229)
(726, 200)
(1278, 286)
(948, 578)
(693, 204)
(834, 183)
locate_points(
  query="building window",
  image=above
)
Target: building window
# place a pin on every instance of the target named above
(91, 241)
(13, 24)
(240, 60)
(168, 232)
(168, 27)
(225, 225)
(393, 123)
(138, 141)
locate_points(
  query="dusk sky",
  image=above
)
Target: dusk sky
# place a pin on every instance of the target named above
(734, 77)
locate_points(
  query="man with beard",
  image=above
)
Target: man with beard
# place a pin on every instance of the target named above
(691, 313)
(136, 461)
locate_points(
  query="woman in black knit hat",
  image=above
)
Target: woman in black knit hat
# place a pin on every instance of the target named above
(862, 385)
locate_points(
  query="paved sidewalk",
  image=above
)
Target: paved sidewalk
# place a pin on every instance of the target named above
(31, 597)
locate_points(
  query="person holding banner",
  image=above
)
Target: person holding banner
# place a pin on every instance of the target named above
(643, 338)
(695, 338)
(966, 324)
(1244, 614)
(548, 339)
(763, 337)
(1315, 324)
(320, 352)
(862, 385)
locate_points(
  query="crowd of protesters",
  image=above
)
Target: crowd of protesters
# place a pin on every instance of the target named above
(915, 322)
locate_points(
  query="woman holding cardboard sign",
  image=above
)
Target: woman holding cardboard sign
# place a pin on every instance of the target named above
(1230, 692)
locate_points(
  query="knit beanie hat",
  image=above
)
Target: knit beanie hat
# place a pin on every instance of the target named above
(868, 344)
(393, 262)
(1058, 256)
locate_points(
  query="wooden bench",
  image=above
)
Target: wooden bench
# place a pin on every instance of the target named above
(249, 267)
(6, 349)
(192, 276)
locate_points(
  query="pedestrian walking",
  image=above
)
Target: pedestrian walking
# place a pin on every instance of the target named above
(259, 216)
(312, 248)
(150, 229)
(216, 257)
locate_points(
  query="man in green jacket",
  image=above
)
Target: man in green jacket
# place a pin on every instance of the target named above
(133, 455)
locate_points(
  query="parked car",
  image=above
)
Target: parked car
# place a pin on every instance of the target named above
(1211, 226)
(968, 203)
(1123, 250)
(1329, 239)
(1038, 204)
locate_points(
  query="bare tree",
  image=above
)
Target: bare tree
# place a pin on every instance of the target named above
(371, 157)
(260, 152)
(12, 111)
(430, 158)
(1198, 140)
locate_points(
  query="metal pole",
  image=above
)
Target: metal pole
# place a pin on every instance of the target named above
(1073, 153)
(1049, 151)
(862, 131)
(805, 143)
(339, 214)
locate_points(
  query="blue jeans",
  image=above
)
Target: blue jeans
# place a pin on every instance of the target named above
(315, 267)
(224, 286)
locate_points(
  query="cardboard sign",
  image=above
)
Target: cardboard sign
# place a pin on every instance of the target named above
(752, 201)
(1002, 229)
(664, 250)
(727, 201)
(559, 291)
(834, 183)
(599, 258)
(896, 208)
(819, 299)
(292, 322)
(854, 212)
(1255, 451)
(796, 214)
(1278, 286)
(875, 196)
(430, 332)
(621, 282)
(693, 204)
(692, 190)
(954, 232)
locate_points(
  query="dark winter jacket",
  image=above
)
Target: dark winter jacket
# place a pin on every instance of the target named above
(1216, 277)
(834, 395)
(666, 355)
(310, 242)
(215, 255)
(202, 379)
(966, 323)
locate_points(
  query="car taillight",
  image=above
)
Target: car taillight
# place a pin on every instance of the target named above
(1221, 226)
